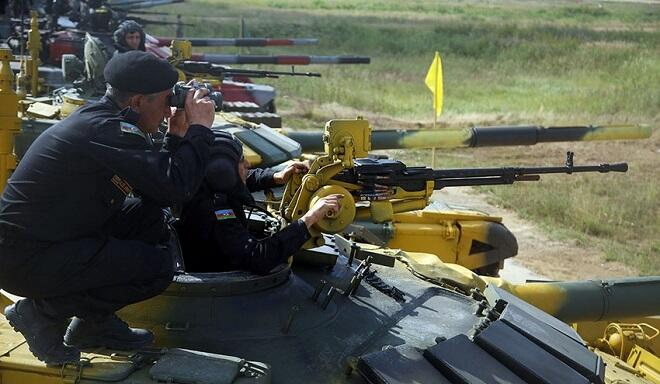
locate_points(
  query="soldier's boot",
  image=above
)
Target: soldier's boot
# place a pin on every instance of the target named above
(43, 334)
(109, 332)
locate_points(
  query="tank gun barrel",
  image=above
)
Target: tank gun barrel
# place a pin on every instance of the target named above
(594, 300)
(312, 141)
(239, 42)
(127, 5)
(279, 59)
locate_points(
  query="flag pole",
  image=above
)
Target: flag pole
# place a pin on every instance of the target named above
(435, 119)
(435, 109)
(434, 83)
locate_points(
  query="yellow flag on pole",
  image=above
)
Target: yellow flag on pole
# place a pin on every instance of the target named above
(434, 82)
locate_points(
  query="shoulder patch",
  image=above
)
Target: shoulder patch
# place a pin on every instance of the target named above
(122, 185)
(132, 129)
(224, 214)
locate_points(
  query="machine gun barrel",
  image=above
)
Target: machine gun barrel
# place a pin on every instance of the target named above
(239, 42)
(378, 179)
(279, 59)
(312, 141)
(222, 71)
(509, 175)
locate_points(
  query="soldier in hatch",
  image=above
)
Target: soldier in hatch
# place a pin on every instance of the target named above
(213, 227)
(129, 36)
(81, 224)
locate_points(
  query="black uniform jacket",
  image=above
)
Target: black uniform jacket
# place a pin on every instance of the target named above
(76, 175)
(215, 237)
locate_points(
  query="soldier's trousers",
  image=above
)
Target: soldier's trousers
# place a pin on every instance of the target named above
(94, 276)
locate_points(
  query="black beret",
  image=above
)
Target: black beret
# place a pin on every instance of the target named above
(140, 72)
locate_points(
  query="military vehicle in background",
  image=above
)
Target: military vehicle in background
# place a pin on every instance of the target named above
(348, 312)
(72, 29)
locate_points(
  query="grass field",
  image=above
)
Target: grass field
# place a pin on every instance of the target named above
(505, 62)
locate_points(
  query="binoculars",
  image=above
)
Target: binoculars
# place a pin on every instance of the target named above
(179, 92)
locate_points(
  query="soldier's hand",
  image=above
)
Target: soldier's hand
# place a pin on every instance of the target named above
(329, 205)
(199, 108)
(283, 176)
(177, 124)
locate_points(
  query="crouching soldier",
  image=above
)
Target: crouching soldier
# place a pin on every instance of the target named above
(81, 223)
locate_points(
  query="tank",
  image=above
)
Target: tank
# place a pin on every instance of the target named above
(350, 312)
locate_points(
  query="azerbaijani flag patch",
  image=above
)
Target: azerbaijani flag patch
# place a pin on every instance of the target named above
(224, 214)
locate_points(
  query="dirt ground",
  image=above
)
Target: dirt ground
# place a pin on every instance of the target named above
(537, 251)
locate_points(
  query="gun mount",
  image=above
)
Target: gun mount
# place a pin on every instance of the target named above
(375, 190)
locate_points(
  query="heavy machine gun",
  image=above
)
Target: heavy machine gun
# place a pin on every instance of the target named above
(195, 68)
(104, 16)
(375, 190)
(380, 178)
